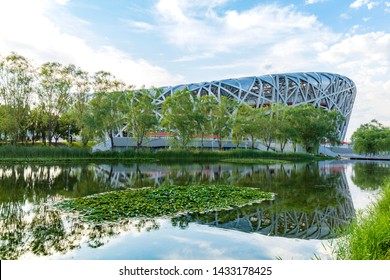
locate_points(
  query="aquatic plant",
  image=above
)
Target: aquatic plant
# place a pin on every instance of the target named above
(162, 201)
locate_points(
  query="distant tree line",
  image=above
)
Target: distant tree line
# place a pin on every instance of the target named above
(371, 138)
(186, 116)
(51, 101)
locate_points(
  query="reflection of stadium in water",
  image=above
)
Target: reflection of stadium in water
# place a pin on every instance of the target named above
(312, 200)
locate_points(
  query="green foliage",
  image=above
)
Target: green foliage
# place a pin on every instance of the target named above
(16, 89)
(64, 100)
(203, 110)
(54, 92)
(141, 115)
(107, 113)
(370, 175)
(368, 238)
(179, 115)
(371, 138)
(246, 123)
(9, 152)
(162, 201)
(313, 125)
(222, 118)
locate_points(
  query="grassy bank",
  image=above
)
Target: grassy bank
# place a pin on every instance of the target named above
(43, 153)
(162, 201)
(368, 238)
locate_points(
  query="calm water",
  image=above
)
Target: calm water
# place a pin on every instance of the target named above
(312, 202)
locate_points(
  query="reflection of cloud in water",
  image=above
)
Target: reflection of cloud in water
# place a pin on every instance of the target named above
(307, 191)
(200, 242)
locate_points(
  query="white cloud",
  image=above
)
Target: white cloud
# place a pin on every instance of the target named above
(32, 33)
(345, 16)
(387, 7)
(360, 3)
(371, 5)
(365, 58)
(311, 2)
(208, 32)
(140, 25)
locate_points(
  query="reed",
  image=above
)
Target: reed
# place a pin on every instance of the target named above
(368, 237)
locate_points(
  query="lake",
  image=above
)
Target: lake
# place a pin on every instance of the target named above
(313, 201)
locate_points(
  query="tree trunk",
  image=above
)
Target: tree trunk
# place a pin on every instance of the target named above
(111, 140)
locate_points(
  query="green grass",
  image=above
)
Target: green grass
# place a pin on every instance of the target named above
(10, 153)
(41, 152)
(368, 238)
(162, 201)
(213, 155)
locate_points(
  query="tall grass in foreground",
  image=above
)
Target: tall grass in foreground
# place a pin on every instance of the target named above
(194, 154)
(190, 155)
(41, 152)
(368, 238)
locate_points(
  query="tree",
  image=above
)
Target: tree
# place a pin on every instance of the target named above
(66, 127)
(178, 113)
(371, 138)
(222, 118)
(55, 83)
(203, 109)
(37, 124)
(284, 132)
(81, 89)
(141, 115)
(313, 125)
(246, 124)
(16, 89)
(104, 82)
(107, 114)
(266, 121)
(106, 111)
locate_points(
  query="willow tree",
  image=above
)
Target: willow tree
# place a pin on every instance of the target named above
(54, 92)
(203, 109)
(16, 91)
(81, 88)
(140, 114)
(267, 129)
(179, 113)
(106, 111)
(246, 124)
(371, 138)
(222, 118)
(314, 124)
(107, 114)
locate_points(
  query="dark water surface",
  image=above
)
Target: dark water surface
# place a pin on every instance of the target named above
(313, 200)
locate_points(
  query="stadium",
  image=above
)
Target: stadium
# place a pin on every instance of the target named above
(330, 91)
(326, 90)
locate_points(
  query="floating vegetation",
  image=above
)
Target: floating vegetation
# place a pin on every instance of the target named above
(162, 201)
(255, 161)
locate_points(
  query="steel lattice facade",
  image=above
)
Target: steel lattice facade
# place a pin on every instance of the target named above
(330, 91)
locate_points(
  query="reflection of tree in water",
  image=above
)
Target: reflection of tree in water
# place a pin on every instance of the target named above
(310, 203)
(370, 175)
(307, 205)
(49, 233)
(27, 225)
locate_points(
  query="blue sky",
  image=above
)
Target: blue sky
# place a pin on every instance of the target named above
(166, 42)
